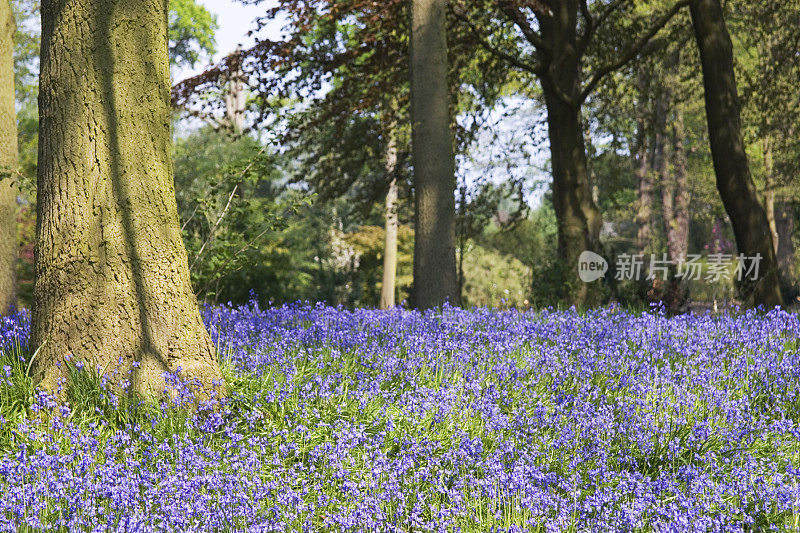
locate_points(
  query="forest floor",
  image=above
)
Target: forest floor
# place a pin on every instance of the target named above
(446, 421)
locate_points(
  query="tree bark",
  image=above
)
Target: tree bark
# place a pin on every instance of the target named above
(8, 163)
(390, 239)
(235, 100)
(112, 282)
(734, 181)
(432, 154)
(578, 218)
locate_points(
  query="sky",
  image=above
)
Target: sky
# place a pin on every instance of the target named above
(235, 20)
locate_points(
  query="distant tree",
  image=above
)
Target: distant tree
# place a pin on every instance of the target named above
(192, 31)
(570, 47)
(112, 280)
(769, 74)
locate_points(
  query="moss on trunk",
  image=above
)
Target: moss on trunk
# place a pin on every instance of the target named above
(112, 281)
(8, 163)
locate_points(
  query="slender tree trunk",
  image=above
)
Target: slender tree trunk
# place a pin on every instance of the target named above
(642, 167)
(8, 163)
(734, 181)
(675, 208)
(784, 222)
(390, 240)
(432, 153)
(235, 100)
(675, 196)
(769, 192)
(112, 282)
(658, 167)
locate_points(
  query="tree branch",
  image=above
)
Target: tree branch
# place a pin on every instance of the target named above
(518, 17)
(588, 30)
(613, 6)
(213, 233)
(633, 51)
(534, 69)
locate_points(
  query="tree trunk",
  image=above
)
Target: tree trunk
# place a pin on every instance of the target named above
(675, 208)
(769, 193)
(784, 223)
(432, 154)
(390, 239)
(8, 163)
(734, 182)
(112, 282)
(642, 166)
(658, 167)
(578, 218)
(675, 196)
(235, 100)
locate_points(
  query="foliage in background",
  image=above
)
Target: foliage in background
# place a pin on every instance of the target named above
(232, 204)
(191, 32)
(495, 280)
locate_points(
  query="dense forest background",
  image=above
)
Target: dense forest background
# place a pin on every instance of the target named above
(286, 155)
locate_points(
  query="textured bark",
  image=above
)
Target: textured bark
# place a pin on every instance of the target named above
(435, 279)
(390, 239)
(734, 180)
(112, 282)
(579, 220)
(8, 163)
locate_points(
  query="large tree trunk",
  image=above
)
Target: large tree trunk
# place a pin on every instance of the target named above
(734, 181)
(390, 239)
(8, 163)
(112, 281)
(434, 164)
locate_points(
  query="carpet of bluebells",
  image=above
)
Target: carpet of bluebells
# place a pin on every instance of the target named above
(446, 421)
